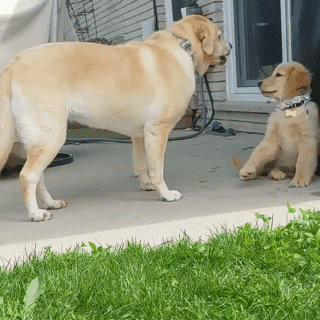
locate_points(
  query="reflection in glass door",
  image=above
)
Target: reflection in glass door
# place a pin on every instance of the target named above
(305, 30)
(258, 39)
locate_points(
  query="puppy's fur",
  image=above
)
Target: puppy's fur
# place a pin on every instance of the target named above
(291, 139)
(140, 89)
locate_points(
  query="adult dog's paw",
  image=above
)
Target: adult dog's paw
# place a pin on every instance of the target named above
(146, 183)
(56, 204)
(248, 173)
(172, 195)
(39, 215)
(298, 183)
(147, 186)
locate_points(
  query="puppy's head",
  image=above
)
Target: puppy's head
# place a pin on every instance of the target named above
(287, 81)
(208, 45)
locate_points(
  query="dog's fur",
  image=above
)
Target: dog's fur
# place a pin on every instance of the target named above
(291, 140)
(140, 89)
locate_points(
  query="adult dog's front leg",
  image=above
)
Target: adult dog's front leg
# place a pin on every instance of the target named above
(156, 138)
(265, 152)
(140, 164)
(306, 164)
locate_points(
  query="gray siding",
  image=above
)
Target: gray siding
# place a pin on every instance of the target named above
(216, 76)
(119, 20)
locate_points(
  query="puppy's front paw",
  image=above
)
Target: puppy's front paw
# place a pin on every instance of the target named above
(296, 182)
(172, 195)
(277, 174)
(248, 173)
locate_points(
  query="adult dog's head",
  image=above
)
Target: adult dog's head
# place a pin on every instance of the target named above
(287, 81)
(208, 46)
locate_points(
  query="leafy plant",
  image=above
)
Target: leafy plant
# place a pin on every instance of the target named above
(34, 291)
(261, 216)
(290, 210)
(95, 250)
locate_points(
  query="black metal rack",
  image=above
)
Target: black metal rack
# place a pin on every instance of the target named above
(82, 9)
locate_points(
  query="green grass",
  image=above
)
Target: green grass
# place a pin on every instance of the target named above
(250, 273)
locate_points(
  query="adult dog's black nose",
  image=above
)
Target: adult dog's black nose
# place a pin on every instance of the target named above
(260, 84)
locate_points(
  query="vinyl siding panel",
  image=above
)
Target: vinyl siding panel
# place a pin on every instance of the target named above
(116, 21)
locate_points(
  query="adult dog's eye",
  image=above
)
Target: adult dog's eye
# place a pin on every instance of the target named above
(278, 75)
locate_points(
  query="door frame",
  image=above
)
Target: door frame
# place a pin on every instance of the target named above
(168, 12)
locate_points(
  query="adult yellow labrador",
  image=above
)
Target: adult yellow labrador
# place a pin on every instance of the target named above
(140, 89)
(291, 140)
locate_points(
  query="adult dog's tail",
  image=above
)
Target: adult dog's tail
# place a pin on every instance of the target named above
(7, 126)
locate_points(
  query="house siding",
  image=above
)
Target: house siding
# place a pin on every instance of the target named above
(216, 76)
(118, 21)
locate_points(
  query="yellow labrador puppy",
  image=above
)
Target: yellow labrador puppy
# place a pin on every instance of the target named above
(140, 89)
(290, 142)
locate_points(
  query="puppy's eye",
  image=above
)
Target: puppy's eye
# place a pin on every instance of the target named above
(278, 75)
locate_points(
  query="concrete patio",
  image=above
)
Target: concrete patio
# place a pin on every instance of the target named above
(105, 203)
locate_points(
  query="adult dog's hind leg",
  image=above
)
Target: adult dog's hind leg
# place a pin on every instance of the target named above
(156, 138)
(38, 158)
(140, 164)
(45, 196)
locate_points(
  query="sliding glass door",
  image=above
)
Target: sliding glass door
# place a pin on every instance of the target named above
(268, 32)
(258, 39)
(305, 26)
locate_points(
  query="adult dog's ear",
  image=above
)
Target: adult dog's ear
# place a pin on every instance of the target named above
(204, 34)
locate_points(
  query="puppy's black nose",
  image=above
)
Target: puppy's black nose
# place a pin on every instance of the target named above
(259, 83)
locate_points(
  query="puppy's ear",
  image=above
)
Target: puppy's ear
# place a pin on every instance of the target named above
(204, 34)
(298, 82)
